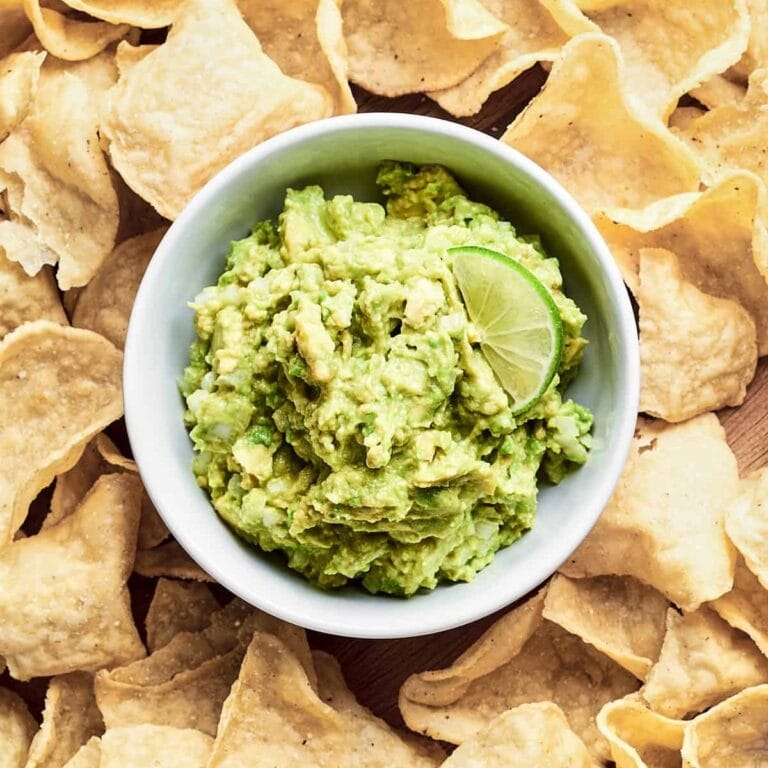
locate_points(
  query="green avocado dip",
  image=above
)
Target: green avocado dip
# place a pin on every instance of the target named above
(340, 407)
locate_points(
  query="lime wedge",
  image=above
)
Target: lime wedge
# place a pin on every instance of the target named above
(521, 333)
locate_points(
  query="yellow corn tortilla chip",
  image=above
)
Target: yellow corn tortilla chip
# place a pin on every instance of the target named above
(304, 38)
(88, 756)
(745, 607)
(273, 716)
(604, 148)
(70, 719)
(99, 73)
(730, 735)
(618, 615)
(14, 28)
(170, 560)
(68, 38)
(717, 91)
(149, 14)
(698, 353)
(529, 736)
(756, 55)
(19, 77)
(703, 661)
(521, 659)
(664, 524)
(177, 606)
(423, 45)
(536, 31)
(671, 46)
(154, 745)
(746, 522)
(682, 117)
(80, 568)
(41, 433)
(16, 729)
(24, 298)
(105, 304)
(157, 140)
(640, 737)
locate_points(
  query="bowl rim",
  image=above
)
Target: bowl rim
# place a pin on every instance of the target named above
(330, 621)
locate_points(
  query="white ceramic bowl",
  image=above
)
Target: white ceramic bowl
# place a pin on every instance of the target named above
(342, 154)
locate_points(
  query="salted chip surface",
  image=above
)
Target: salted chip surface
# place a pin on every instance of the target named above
(274, 717)
(17, 727)
(698, 352)
(746, 522)
(105, 303)
(424, 45)
(148, 14)
(640, 737)
(305, 39)
(730, 735)
(620, 616)
(703, 661)
(154, 745)
(528, 736)
(177, 606)
(19, 77)
(42, 433)
(81, 568)
(157, 139)
(70, 719)
(536, 31)
(522, 659)
(671, 46)
(603, 148)
(170, 560)
(664, 523)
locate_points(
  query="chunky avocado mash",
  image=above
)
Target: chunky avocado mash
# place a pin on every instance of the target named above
(338, 401)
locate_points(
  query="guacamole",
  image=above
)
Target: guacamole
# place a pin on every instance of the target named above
(338, 401)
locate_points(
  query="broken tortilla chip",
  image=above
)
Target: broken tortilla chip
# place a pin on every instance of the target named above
(70, 719)
(148, 14)
(521, 659)
(698, 353)
(640, 737)
(170, 560)
(703, 661)
(422, 45)
(81, 568)
(42, 434)
(158, 142)
(603, 148)
(664, 524)
(716, 92)
(730, 735)
(88, 756)
(746, 523)
(16, 729)
(536, 31)
(19, 77)
(159, 746)
(304, 38)
(618, 615)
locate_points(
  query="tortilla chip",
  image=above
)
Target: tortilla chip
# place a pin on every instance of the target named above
(88, 756)
(621, 617)
(639, 737)
(422, 45)
(63, 207)
(14, 28)
(170, 560)
(273, 715)
(730, 735)
(756, 55)
(24, 298)
(717, 91)
(80, 568)
(536, 31)
(697, 352)
(98, 73)
(148, 14)
(664, 524)
(70, 719)
(671, 47)
(158, 142)
(603, 148)
(19, 77)
(746, 522)
(745, 607)
(154, 745)
(16, 729)
(47, 433)
(177, 606)
(682, 117)
(304, 38)
(69, 38)
(703, 661)
(521, 659)
(105, 303)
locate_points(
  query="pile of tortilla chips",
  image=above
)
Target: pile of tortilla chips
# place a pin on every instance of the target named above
(649, 648)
